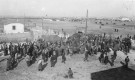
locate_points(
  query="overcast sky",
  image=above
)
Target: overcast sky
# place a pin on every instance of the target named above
(67, 8)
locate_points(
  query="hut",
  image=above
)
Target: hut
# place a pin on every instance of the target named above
(14, 28)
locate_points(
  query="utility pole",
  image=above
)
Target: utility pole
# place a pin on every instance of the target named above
(24, 19)
(86, 22)
(42, 21)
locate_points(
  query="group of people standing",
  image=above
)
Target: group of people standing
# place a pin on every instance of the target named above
(104, 45)
(33, 50)
(76, 44)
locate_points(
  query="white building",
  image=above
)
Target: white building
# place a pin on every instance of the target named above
(57, 20)
(48, 19)
(14, 28)
(125, 19)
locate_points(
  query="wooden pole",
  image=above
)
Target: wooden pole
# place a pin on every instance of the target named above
(42, 22)
(24, 19)
(86, 22)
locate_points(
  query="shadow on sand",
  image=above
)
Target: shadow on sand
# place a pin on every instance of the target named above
(15, 64)
(44, 66)
(119, 73)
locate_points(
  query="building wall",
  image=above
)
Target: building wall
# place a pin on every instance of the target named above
(19, 28)
(13, 37)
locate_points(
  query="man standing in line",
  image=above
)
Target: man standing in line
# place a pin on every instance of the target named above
(126, 61)
(53, 59)
(86, 53)
(63, 57)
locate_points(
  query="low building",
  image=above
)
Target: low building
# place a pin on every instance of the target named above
(48, 20)
(14, 28)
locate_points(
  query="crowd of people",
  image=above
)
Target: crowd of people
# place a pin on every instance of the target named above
(78, 43)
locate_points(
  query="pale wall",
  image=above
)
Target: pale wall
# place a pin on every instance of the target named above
(19, 28)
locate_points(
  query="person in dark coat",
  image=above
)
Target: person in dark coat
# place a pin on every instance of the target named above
(30, 50)
(70, 73)
(86, 54)
(63, 57)
(126, 61)
(18, 48)
(53, 59)
(101, 57)
(45, 55)
(10, 47)
(115, 54)
(21, 51)
(8, 64)
(5, 50)
(13, 59)
(24, 51)
(50, 52)
(106, 59)
(34, 54)
(112, 60)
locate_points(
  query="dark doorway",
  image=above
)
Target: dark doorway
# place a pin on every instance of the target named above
(14, 27)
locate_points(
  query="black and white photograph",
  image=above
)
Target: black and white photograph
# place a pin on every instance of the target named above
(67, 39)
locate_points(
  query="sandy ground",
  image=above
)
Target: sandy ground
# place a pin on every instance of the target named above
(82, 70)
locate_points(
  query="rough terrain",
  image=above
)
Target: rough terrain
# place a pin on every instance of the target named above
(82, 70)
